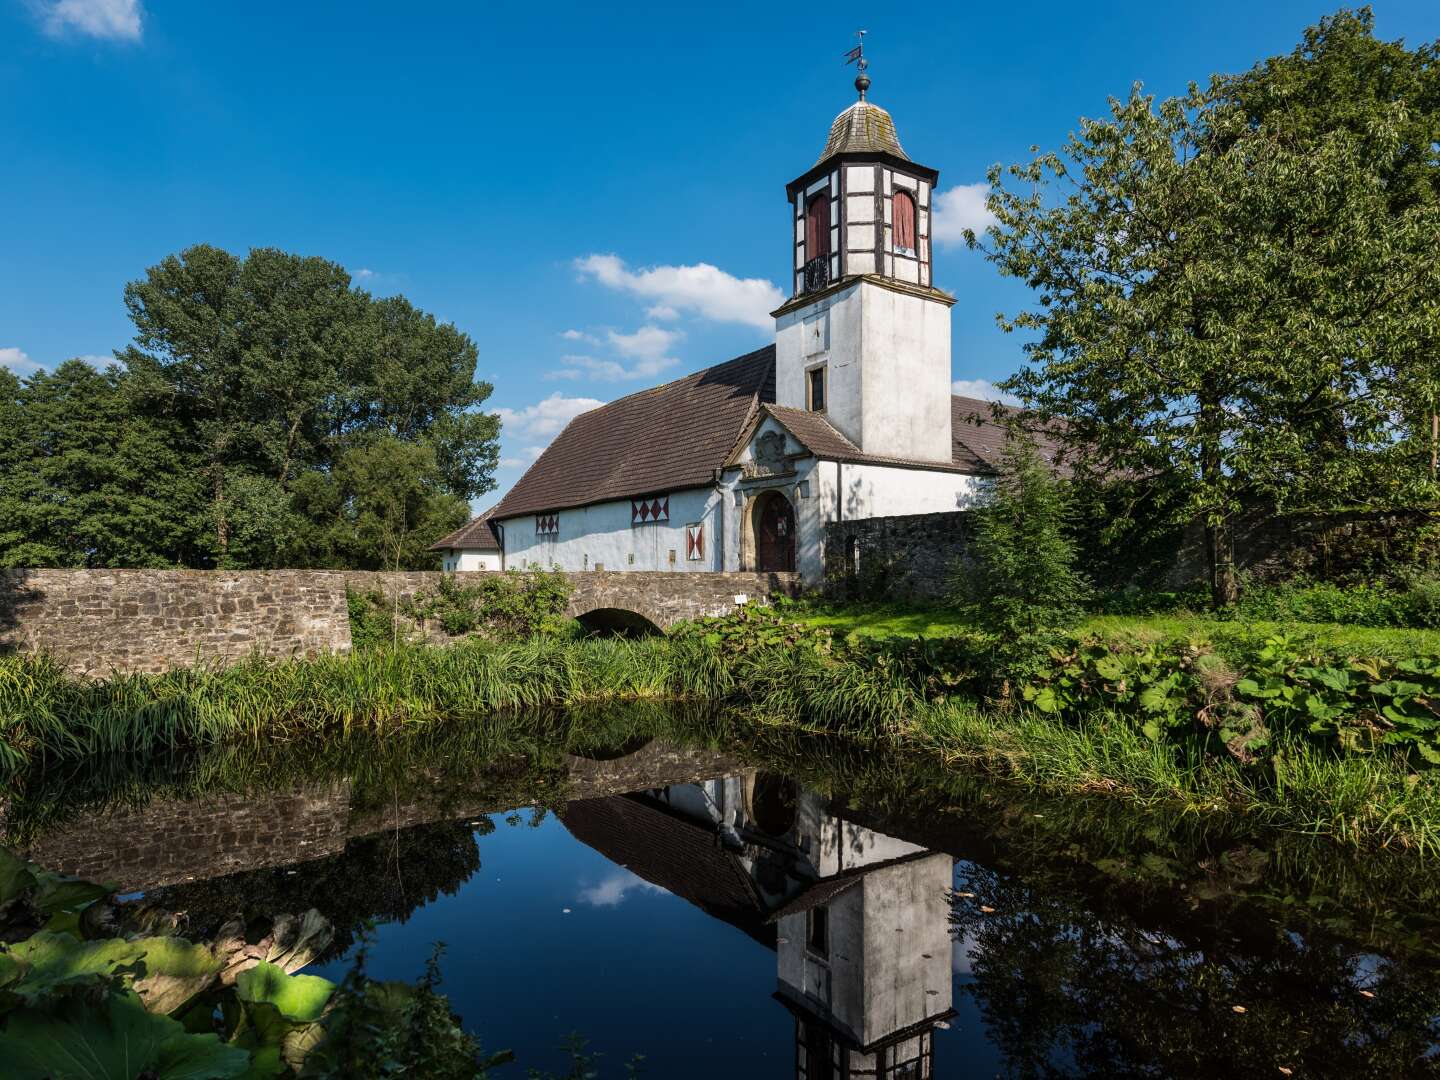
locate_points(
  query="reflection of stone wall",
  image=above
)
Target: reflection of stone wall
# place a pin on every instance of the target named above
(96, 621)
(168, 841)
(906, 557)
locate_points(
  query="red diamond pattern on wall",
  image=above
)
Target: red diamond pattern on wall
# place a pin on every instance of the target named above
(547, 524)
(643, 511)
(694, 542)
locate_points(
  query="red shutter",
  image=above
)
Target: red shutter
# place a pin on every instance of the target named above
(903, 213)
(817, 227)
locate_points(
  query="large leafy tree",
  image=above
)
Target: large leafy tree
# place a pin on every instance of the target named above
(85, 481)
(277, 372)
(1229, 305)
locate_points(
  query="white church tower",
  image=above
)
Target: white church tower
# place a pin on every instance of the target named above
(865, 337)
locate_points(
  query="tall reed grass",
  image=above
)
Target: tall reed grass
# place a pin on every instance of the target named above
(48, 717)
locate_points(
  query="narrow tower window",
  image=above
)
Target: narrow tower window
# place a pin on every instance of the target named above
(817, 389)
(902, 212)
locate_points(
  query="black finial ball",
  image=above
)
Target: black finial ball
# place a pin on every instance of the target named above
(862, 83)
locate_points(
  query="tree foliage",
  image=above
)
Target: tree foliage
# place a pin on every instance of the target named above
(267, 414)
(1238, 288)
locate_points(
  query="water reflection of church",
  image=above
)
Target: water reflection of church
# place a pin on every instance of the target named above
(858, 920)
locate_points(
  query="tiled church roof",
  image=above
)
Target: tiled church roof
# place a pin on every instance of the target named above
(476, 536)
(863, 128)
(667, 438)
(677, 436)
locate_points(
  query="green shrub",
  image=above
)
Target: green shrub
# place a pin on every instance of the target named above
(508, 605)
(1022, 580)
(1414, 602)
(372, 619)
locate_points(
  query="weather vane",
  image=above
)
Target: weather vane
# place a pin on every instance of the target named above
(856, 56)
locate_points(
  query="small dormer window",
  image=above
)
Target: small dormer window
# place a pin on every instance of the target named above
(902, 213)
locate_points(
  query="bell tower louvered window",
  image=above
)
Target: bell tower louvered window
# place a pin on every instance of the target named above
(902, 211)
(817, 242)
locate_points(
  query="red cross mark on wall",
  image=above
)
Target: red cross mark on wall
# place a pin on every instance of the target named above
(645, 510)
(694, 542)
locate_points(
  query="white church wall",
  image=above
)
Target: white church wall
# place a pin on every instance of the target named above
(866, 491)
(601, 536)
(460, 561)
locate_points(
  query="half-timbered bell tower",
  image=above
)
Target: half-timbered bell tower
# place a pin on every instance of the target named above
(865, 337)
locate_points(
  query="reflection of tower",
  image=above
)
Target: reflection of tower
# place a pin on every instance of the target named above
(864, 965)
(859, 920)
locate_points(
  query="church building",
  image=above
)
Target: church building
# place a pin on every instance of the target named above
(848, 414)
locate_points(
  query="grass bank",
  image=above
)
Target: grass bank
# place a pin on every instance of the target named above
(895, 620)
(774, 676)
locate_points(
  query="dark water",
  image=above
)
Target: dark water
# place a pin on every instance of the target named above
(789, 911)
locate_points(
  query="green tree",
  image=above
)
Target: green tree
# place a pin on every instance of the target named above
(383, 505)
(1021, 577)
(85, 481)
(280, 377)
(1226, 308)
(1342, 78)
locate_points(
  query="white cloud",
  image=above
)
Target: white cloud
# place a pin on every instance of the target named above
(958, 209)
(18, 361)
(363, 274)
(983, 389)
(99, 363)
(647, 343)
(611, 890)
(545, 418)
(580, 335)
(661, 313)
(117, 20)
(703, 289)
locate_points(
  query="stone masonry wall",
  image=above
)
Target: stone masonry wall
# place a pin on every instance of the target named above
(906, 557)
(98, 621)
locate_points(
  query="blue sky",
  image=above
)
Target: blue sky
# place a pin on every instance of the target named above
(594, 193)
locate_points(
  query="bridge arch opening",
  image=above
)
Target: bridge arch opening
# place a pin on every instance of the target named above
(617, 622)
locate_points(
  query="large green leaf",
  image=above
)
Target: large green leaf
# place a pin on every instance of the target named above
(119, 1040)
(16, 878)
(282, 1012)
(57, 963)
(175, 971)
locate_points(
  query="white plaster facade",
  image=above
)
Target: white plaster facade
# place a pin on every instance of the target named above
(453, 561)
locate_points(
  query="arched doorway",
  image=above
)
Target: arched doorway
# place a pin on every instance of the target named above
(774, 524)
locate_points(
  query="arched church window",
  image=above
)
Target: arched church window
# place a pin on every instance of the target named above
(817, 227)
(902, 213)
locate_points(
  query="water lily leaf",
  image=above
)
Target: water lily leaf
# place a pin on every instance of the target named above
(119, 1040)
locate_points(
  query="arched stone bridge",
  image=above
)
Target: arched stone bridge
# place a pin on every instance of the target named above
(96, 622)
(644, 600)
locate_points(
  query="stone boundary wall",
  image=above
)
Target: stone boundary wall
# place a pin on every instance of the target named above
(905, 557)
(100, 621)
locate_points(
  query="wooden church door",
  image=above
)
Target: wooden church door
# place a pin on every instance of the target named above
(774, 533)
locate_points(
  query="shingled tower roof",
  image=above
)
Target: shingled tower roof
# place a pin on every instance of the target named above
(863, 128)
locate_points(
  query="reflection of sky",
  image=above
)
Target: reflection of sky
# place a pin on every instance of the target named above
(523, 972)
(612, 888)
